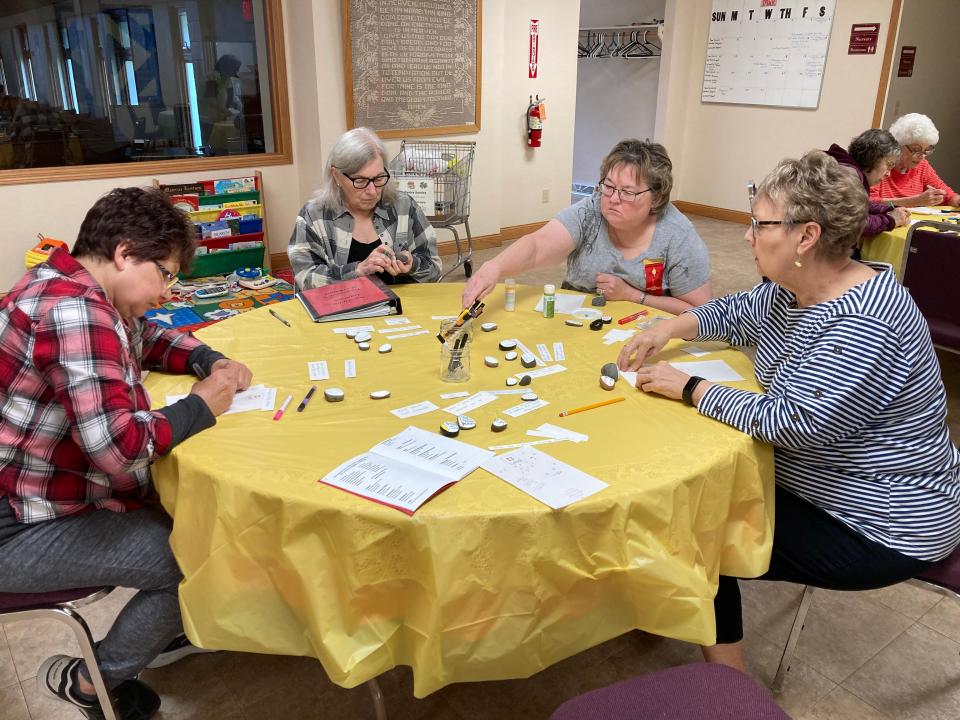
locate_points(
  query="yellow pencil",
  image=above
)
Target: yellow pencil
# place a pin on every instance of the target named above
(591, 406)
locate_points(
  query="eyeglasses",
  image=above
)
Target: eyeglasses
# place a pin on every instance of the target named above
(756, 225)
(922, 152)
(169, 278)
(625, 195)
(360, 182)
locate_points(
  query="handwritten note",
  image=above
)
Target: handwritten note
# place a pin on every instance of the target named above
(552, 482)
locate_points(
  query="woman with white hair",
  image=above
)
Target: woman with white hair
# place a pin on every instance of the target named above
(914, 182)
(358, 223)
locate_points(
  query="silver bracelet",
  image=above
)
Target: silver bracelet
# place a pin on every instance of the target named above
(643, 298)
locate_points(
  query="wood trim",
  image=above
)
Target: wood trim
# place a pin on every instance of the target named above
(280, 101)
(892, 33)
(347, 60)
(710, 211)
(280, 261)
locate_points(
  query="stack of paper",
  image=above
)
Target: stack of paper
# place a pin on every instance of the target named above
(257, 397)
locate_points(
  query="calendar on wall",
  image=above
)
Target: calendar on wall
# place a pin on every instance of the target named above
(767, 52)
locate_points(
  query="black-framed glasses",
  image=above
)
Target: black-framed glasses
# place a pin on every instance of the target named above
(360, 182)
(922, 152)
(608, 190)
(169, 278)
(755, 224)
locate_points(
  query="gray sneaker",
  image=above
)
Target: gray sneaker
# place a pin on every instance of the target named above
(177, 649)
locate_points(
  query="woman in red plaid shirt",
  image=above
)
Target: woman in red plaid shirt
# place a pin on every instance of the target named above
(77, 435)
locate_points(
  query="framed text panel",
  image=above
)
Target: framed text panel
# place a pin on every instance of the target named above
(412, 67)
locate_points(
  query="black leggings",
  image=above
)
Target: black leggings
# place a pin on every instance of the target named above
(811, 547)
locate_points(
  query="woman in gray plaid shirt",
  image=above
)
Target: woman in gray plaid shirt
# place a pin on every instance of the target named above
(358, 223)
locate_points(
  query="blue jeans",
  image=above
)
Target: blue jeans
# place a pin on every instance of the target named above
(129, 549)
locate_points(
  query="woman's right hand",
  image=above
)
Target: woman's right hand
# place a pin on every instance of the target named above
(480, 284)
(379, 260)
(642, 346)
(931, 196)
(217, 390)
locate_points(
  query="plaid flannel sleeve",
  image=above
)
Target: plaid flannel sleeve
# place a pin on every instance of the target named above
(82, 348)
(426, 262)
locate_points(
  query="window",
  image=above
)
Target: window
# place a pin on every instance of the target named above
(92, 89)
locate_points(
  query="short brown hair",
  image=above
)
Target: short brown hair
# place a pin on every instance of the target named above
(145, 219)
(648, 160)
(817, 189)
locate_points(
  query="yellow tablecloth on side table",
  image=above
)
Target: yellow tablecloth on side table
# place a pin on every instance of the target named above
(483, 582)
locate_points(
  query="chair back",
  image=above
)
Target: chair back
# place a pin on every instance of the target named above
(945, 573)
(931, 257)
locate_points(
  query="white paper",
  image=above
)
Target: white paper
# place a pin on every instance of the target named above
(509, 391)
(416, 409)
(563, 303)
(617, 335)
(929, 211)
(630, 376)
(350, 368)
(318, 370)
(404, 328)
(525, 444)
(450, 396)
(409, 334)
(555, 431)
(544, 352)
(442, 317)
(256, 397)
(432, 453)
(558, 353)
(471, 403)
(712, 370)
(397, 321)
(554, 483)
(695, 351)
(541, 372)
(407, 469)
(525, 407)
(356, 328)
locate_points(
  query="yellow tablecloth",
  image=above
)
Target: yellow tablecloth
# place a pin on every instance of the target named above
(483, 582)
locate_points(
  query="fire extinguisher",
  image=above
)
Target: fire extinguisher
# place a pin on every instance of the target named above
(536, 114)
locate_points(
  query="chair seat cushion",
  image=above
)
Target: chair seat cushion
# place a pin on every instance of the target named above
(21, 602)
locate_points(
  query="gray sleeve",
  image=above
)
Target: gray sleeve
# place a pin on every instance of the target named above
(688, 262)
(580, 218)
(187, 417)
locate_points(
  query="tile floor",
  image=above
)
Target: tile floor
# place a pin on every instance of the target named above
(882, 655)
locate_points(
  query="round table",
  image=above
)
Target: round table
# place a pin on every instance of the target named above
(483, 582)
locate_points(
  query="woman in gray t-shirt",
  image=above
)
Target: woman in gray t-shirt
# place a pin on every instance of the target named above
(626, 241)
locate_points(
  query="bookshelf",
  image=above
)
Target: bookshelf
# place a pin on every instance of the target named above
(229, 214)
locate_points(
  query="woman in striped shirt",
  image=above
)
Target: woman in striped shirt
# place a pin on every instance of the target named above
(867, 479)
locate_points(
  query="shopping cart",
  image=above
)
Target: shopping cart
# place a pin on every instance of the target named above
(440, 170)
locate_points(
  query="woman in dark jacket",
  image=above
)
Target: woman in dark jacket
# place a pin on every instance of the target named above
(871, 156)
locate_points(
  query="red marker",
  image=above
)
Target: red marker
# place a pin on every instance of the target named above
(631, 318)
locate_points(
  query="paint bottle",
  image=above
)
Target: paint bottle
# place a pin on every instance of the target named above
(509, 294)
(549, 297)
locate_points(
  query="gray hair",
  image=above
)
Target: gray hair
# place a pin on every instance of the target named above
(816, 188)
(647, 160)
(352, 151)
(915, 128)
(871, 147)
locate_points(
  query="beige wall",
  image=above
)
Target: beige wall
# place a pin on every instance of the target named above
(930, 26)
(508, 178)
(717, 149)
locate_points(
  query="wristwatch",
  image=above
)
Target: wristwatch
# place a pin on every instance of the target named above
(689, 388)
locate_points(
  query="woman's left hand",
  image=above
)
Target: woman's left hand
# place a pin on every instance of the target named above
(403, 262)
(663, 379)
(241, 372)
(616, 288)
